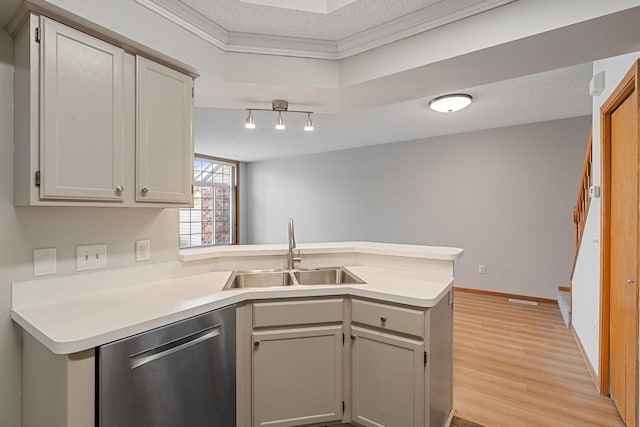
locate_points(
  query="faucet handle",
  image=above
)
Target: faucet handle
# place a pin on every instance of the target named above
(297, 258)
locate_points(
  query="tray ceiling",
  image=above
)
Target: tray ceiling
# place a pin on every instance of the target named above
(354, 27)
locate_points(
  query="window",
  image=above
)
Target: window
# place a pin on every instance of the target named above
(213, 218)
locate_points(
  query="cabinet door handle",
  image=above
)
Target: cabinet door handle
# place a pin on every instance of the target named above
(383, 319)
(631, 282)
(256, 344)
(144, 190)
(353, 337)
(120, 189)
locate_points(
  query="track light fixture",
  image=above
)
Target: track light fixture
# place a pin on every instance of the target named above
(280, 106)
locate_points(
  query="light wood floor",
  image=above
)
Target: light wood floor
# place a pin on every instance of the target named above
(517, 365)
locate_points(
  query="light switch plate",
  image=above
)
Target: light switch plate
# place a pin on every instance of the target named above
(143, 250)
(91, 257)
(44, 261)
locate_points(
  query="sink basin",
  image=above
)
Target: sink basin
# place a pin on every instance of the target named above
(258, 279)
(279, 278)
(326, 276)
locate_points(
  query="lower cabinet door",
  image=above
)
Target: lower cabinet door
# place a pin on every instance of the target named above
(387, 379)
(297, 376)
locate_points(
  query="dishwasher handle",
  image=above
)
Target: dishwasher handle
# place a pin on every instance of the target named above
(147, 356)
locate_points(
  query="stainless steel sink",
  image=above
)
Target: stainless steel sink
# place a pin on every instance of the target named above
(326, 276)
(259, 279)
(280, 278)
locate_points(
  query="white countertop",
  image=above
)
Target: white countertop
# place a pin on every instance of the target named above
(73, 313)
(373, 248)
(76, 324)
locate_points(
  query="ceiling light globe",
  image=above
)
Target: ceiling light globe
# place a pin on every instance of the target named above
(450, 103)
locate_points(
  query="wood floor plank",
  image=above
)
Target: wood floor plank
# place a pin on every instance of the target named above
(517, 365)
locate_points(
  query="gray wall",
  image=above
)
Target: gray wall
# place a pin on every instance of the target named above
(504, 195)
(23, 229)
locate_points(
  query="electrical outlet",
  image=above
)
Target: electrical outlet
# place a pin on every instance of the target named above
(91, 257)
(482, 269)
(143, 250)
(44, 261)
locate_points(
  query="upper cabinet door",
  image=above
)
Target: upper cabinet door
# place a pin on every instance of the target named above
(164, 134)
(81, 106)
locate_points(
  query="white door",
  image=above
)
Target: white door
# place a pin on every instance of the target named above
(297, 376)
(164, 134)
(387, 385)
(82, 127)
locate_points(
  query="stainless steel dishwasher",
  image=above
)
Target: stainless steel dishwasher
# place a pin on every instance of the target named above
(179, 375)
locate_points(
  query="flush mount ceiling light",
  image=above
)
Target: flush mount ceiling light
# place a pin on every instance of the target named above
(280, 106)
(450, 103)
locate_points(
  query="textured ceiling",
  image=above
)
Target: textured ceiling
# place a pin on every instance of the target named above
(316, 6)
(358, 16)
(551, 95)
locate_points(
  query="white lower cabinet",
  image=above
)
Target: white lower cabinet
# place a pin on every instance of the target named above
(295, 349)
(297, 376)
(387, 386)
(394, 370)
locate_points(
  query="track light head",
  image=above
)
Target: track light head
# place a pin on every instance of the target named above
(280, 122)
(309, 125)
(249, 123)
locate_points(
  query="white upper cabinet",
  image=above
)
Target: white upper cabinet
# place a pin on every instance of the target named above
(164, 134)
(96, 125)
(82, 126)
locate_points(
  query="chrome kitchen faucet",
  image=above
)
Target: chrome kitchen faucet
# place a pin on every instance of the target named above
(291, 259)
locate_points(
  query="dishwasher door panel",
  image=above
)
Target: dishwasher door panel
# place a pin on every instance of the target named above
(180, 375)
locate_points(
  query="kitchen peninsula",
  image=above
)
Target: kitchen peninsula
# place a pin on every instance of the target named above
(396, 328)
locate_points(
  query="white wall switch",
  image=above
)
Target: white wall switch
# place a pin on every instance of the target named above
(482, 269)
(91, 257)
(143, 250)
(44, 261)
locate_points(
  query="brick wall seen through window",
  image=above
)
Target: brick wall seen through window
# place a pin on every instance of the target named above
(212, 220)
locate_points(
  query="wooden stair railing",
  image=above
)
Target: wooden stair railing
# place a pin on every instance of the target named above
(582, 204)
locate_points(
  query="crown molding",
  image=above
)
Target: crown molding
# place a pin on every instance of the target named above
(190, 20)
(282, 45)
(417, 22)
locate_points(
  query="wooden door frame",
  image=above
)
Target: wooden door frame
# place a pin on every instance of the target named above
(629, 83)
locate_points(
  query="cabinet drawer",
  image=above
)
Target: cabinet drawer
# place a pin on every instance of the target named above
(283, 313)
(388, 317)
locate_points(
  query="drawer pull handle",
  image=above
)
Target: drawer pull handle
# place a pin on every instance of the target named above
(383, 319)
(256, 344)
